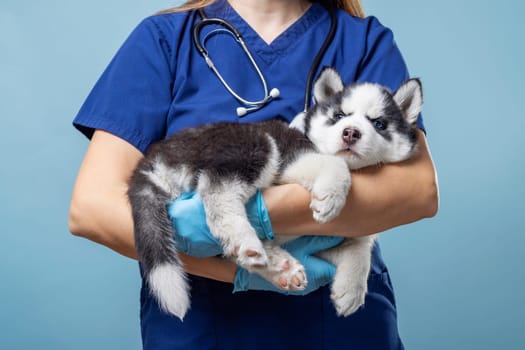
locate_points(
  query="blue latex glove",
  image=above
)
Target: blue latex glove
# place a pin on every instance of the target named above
(319, 272)
(192, 235)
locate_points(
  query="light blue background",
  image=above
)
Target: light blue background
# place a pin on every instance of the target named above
(459, 277)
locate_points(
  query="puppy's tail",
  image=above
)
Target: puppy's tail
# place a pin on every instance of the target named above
(163, 269)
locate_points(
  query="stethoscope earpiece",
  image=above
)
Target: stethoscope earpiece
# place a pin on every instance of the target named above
(242, 111)
(274, 93)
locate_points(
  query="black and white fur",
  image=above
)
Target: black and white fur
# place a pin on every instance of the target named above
(226, 163)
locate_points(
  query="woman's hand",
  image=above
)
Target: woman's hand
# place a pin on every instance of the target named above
(319, 272)
(192, 235)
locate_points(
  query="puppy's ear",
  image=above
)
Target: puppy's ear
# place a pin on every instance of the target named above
(298, 122)
(409, 97)
(328, 84)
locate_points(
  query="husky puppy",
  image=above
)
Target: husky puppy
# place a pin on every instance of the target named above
(365, 124)
(226, 163)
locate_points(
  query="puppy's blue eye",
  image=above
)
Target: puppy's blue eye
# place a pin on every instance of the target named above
(339, 116)
(379, 124)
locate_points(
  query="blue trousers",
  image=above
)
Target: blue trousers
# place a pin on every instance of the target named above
(219, 319)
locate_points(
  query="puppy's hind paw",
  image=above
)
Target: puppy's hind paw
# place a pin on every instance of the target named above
(348, 301)
(292, 278)
(284, 271)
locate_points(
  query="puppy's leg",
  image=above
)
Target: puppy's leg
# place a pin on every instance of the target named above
(350, 285)
(328, 179)
(224, 205)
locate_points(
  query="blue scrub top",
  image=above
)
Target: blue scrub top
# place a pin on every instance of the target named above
(158, 84)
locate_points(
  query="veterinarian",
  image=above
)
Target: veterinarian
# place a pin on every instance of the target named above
(160, 82)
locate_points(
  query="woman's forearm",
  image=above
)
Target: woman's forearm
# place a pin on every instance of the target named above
(104, 218)
(113, 228)
(380, 198)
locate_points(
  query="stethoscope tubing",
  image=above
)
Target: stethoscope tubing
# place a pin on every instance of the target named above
(253, 105)
(318, 58)
(238, 37)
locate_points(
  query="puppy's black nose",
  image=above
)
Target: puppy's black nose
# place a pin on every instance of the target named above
(351, 135)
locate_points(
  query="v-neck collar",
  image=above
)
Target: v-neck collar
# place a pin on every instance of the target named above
(282, 43)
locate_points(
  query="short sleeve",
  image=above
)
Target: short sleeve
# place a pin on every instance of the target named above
(383, 62)
(132, 97)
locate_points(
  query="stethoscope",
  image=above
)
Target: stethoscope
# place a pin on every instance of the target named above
(251, 106)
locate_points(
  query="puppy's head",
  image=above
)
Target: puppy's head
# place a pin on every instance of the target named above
(364, 123)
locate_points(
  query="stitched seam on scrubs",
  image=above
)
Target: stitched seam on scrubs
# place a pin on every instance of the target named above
(284, 42)
(130, 135)
(164, 42)
(287, 40)
(323, 313)
(298, 29)
(164, 38)
(214, 313)
(290, 39)
(371, 24)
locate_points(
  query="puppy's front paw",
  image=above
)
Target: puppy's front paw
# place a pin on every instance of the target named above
(348, 298)
(326, 205)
